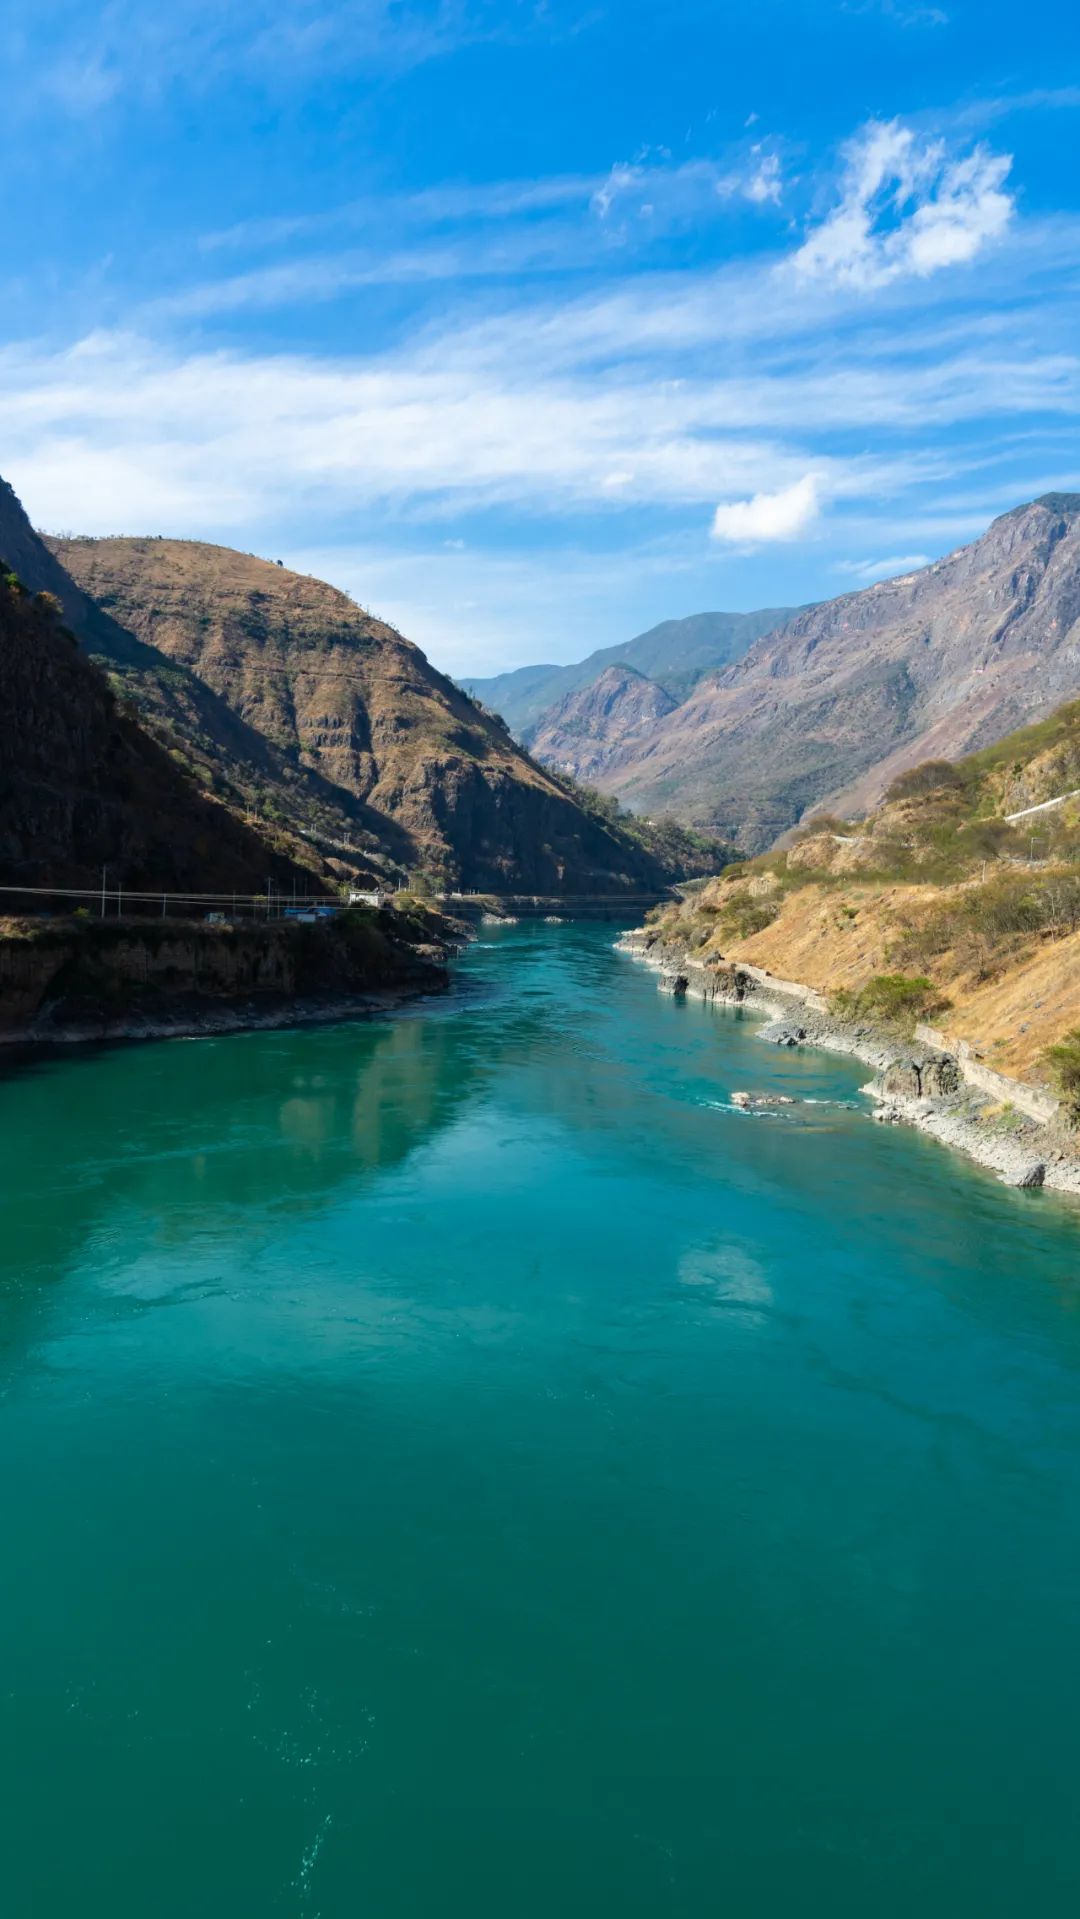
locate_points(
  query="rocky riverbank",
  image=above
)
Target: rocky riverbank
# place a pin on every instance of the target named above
(64, 982)
(914, 1084)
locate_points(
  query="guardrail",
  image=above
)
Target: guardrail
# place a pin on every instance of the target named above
(1037, 1103)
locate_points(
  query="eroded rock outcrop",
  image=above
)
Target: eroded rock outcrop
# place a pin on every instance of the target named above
(921, 1076)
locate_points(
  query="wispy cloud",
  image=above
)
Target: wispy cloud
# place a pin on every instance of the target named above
(906, 13)
(465, 203)
(671, 392)
(492, 230)
(120, 423)
(764, 184)
(647, 187)
(907, 207)
(865, 571)
(125, 47)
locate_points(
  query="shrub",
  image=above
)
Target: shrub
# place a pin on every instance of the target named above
(1064, 1062)
(889, 999)
(741, 918)
(931, 777)
(814, 823)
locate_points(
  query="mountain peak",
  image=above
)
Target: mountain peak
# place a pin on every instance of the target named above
(322, 718)
(1068, 503)
(1064, 504)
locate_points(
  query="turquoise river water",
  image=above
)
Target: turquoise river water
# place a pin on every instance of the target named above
(458, 1466)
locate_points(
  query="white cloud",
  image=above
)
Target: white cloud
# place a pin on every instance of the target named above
(783, 515)
(889, 569)
(907, 208)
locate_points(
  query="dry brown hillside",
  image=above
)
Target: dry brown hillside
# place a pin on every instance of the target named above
(322, 717)
(937, 906)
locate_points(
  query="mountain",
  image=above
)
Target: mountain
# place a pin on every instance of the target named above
(830, 707)
(81, 782)
(297, 706)
(581, 732)
(951, 902)
(675, 654)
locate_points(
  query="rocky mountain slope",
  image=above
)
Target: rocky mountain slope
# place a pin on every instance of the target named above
(831, 706)
(301, 708)
(81, 783)
(580, 733)
(674, 654)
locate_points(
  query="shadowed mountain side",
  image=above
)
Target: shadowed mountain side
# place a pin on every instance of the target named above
(81, 783)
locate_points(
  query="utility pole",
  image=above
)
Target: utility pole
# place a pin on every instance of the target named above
(104, 870)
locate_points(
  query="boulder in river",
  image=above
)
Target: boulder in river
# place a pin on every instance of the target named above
(778, 1034)
(1028, 1177)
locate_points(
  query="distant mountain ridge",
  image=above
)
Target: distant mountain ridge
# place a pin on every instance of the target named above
(675, 654)
(830, 707)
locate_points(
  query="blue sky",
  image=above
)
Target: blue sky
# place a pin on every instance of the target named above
(533, 322)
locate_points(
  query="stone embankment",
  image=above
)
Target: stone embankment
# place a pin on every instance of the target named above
(1019, 1132)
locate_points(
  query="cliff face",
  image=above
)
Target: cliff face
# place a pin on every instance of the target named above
(830, 707)
(82, 784)
(582, 732)
(328, 719)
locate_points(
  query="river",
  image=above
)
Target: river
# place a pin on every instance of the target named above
(458, 1466)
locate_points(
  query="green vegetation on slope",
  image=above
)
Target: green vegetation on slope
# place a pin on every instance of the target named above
(953, 895)
(681, 852)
